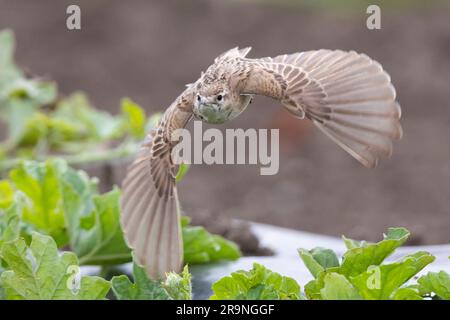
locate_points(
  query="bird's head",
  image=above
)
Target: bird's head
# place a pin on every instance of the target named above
(214, 104)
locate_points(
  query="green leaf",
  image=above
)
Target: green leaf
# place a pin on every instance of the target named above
(318, 259)
(259, 283)
(407, 293)
(179, 287)
(437, 283)
(202, 247)
(314, 287)
(38, 272)
(10, 220)
(134, 117)
(40, 183)
(351, 244)
(337, 287)
(35, 92)
(107, 242)
(143, 288)
(359, 258)
(93, 221)
(8, 70)
(379, 282)
(7, 47)
(16, 114)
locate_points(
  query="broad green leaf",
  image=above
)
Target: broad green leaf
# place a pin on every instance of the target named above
(379, 282)
(202, 247)
(437, 283)
(318, 259)
(179, 287)
(259, 283)
(94, 222)
(38, 272)
(40, 183)
(135, 118)
(359, 258)
(337, 287)
(143, 288)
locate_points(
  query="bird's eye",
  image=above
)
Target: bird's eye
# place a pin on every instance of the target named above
(219, 97)
(198, 98)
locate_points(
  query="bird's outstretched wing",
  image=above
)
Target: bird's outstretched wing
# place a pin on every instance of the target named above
(347, 95)
(150, 211)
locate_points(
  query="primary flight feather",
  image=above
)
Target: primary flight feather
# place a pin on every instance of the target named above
(347, 95)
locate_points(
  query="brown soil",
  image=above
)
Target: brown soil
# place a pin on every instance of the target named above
(148, 50)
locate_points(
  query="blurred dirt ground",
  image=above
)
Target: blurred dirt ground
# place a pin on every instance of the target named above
(148, 50)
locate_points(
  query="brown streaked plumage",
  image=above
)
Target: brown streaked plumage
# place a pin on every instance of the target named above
(346, 95)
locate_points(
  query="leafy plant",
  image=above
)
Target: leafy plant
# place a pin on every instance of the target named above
(65, 204)
(435, 285)
(43, 209)
(259, 283)
(178, 286)
(54, 199)
(362, 274)
(175, 287)
(39, 272)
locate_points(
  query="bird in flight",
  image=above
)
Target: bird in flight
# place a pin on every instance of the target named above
(347, 95)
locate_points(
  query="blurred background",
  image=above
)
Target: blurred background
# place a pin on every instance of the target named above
(148, 51)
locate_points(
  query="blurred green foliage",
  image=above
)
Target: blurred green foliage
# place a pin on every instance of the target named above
(40, 123)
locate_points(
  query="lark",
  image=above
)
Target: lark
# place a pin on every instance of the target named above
(347, 95)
